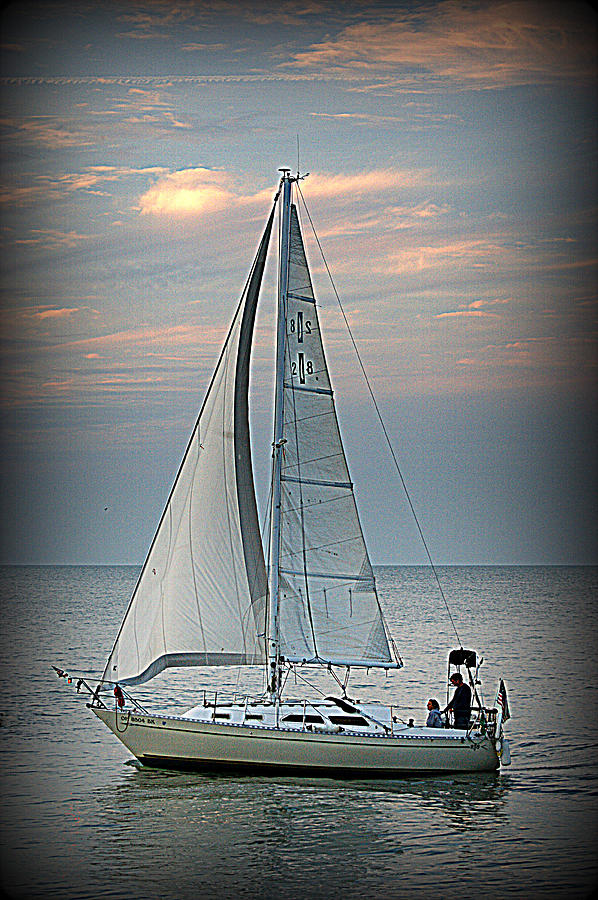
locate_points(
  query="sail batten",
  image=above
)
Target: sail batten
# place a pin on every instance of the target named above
(333, 575)
(301, 297)
(320, 482)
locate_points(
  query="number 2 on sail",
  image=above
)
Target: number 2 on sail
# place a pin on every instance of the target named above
(302, 367)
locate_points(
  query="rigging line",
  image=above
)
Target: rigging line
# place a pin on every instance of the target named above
(381, 420)
(78, 673)
(305, 681)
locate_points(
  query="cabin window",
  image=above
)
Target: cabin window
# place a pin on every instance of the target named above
(254, 716)
(349, 720)
(296, 717)
(219, 715)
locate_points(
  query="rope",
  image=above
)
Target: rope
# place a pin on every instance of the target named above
(304, 680)
(121, 730)
(381, 420)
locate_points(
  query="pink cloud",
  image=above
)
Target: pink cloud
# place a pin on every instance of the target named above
(475, 309)
(481, 45)
(374, 181)
(191, 48)
(467, 313)
(46, 188)
(30, 316)
(64, 313)
(53, 238)
(188, 192)
(199, 191)
(146, 337)
(47, 130)
(485, 252)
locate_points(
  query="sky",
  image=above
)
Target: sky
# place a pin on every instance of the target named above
(451, 152)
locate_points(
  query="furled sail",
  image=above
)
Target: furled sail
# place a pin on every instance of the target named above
(201, 595)
(328, 606)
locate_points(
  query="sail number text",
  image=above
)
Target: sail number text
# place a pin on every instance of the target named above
(302, 367)
(299, 327)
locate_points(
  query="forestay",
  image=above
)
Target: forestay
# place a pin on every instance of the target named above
(328, 606)
(200, 599)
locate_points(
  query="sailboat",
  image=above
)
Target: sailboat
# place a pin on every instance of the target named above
(209, 595)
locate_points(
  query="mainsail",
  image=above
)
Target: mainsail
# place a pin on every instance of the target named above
(328, 606)
(200, 598)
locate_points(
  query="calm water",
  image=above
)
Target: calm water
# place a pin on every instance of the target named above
(79, 821)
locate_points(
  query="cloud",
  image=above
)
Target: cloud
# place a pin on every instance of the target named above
(144, 337)
(379, 220)
(146, 107)
(28, 327)
(143, 35)
(14, 195)
(475, 309)
(466, 44)
(155, 20)
(542, 358)
(42, 313)
(139, 107)
(192, 48)
(143, 359)
(198, 191)
(375, 181)
(467, 313)
(45, 187)
(411, 118)
(53, 238)
(49, 131)
(167, 80)
(188, 192)
(475, 253)
(55, 313)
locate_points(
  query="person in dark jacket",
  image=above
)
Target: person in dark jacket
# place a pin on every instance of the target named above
(461, 702)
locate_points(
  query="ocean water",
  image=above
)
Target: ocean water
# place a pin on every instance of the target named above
(80, 821)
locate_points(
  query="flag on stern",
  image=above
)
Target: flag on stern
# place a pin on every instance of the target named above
(502, 701)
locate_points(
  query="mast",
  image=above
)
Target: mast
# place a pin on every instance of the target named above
(273, 649)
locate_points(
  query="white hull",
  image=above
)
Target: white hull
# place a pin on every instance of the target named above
(178, 742)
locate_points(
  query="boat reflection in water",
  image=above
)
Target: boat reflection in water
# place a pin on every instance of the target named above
(291, 834)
